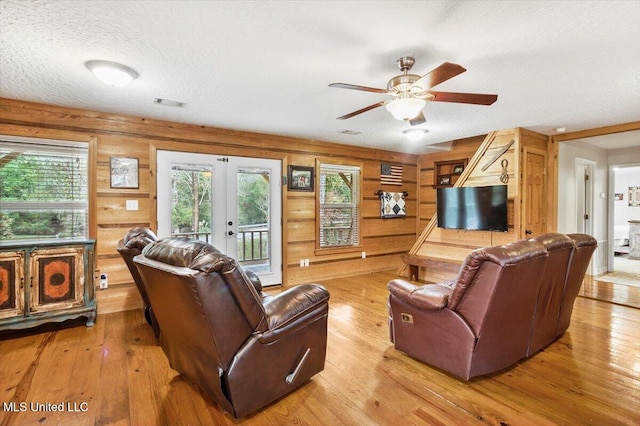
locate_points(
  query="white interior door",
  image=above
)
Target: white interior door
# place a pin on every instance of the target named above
(234, 203)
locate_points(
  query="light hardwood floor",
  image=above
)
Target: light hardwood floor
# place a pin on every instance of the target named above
(117, 373)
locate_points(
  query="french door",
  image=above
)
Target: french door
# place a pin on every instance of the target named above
(234, 203)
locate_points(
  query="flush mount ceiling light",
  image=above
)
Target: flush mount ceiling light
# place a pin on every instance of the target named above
(112, 73)
(415, 134)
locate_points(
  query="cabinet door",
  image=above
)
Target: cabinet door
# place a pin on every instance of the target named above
(57, 279)
(11, 284)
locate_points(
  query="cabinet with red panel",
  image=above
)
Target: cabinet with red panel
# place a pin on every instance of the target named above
(46, 281)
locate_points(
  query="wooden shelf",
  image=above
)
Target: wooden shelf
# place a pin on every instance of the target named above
(446, 173)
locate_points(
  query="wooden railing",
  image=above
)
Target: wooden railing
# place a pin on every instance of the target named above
(248, 238)
(253, 241)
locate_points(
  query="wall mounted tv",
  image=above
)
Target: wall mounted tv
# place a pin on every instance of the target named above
(478, 208)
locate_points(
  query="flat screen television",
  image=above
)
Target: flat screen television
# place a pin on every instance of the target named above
(479, 208)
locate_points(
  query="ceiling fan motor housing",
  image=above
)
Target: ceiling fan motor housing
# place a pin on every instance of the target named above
(403, 83)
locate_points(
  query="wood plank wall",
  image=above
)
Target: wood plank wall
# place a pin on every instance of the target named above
(454, 245)
(115, 135)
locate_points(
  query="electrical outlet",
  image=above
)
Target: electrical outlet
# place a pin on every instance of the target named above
(104, 283)
(302, 263)
(306, 262)
(364, 254)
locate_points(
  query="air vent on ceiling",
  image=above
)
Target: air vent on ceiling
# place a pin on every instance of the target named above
(351, 132)
(168, 102)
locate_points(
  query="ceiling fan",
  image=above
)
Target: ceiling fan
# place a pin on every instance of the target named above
(410, 92)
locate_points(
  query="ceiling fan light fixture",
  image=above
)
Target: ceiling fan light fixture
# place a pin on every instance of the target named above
(112, 73)
(405, 108)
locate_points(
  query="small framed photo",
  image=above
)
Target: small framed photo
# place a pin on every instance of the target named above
(444, 180)
(634, 196)
(458, 168)
(124, 172)
(618, 196)
(300, 178)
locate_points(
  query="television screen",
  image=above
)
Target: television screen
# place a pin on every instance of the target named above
(474, 208)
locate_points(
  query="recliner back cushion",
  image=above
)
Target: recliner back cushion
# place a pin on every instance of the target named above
(200, 256)
(508, 254)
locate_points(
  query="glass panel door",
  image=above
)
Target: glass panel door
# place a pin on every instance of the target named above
(190, 200)
(254, 227)
(233, 203)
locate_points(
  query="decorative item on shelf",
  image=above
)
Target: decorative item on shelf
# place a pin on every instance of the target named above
(444, 180)
(504, 176)
(124, 172)
(447, 172)
(392, 204)
(300, 178)
(390, 174)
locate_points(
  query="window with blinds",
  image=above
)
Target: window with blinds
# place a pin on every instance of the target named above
(339, 200)
(43, 189)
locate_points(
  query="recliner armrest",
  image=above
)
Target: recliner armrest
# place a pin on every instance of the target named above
(294, 303)
(428, 296)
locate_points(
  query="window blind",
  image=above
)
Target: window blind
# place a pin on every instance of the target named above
(339, 205)
(43, 189)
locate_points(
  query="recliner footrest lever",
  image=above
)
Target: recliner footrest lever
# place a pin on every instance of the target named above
(291, 377)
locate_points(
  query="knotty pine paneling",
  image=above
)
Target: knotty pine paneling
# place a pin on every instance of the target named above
(137, 137)
(387, 227)
(455, 244)
(302, 207)
(344, 267)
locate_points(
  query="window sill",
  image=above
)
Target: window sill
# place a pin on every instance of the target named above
(337, 250)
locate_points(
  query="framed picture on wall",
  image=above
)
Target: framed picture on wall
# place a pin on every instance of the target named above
(634, 196)
(618, 196)
(124, 172)
(300, 178)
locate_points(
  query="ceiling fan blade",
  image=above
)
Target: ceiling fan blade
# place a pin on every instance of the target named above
(418, 119)
(356, 87)
(439, 75)
(360, 111)
(464, 98)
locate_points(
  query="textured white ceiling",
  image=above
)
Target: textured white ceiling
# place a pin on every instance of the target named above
(265, 66)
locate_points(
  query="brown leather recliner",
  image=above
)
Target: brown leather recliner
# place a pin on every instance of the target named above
(585, 245)
(506, 303)
(242, 348)
(478, 323)
(129, 247)
(545, 323)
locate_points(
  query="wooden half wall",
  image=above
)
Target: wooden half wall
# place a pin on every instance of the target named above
(383, 240)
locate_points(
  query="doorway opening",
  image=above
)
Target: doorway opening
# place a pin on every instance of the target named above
(623, 208)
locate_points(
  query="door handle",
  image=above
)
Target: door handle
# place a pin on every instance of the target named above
(528, 232)
(231, 233)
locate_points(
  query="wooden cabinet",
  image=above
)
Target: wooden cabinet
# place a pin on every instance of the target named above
(446, 173)
(46, 281)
